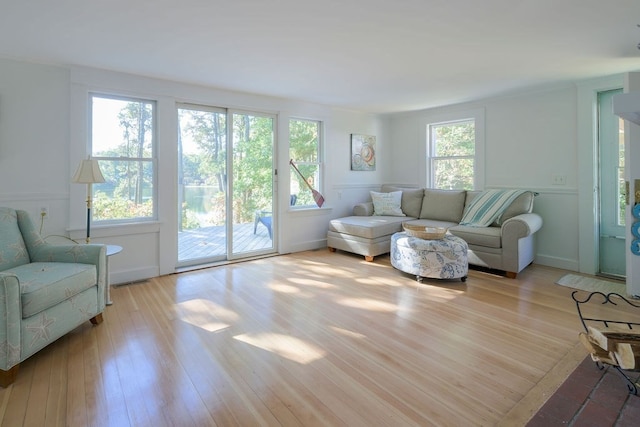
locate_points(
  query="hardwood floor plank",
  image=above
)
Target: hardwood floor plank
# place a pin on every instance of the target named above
(56, 401)
(19, 395)
(76, 393)
(39, 392)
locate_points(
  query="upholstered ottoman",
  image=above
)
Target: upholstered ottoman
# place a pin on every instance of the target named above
(438, 259)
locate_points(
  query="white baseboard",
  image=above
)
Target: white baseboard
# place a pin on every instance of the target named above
(556, 262)
(309, 245)
(133, 275)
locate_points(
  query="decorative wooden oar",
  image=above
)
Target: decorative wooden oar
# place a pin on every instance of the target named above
(316, 195)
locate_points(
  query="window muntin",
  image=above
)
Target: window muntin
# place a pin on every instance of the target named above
(305, 138)
(451, 154)
(123, 141)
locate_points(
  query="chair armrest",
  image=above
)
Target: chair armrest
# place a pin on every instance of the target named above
(363, 209)
(10, 320)
(85, 254)
(95, 254)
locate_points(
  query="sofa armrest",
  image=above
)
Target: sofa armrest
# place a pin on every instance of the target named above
(10, 319)
(363, 209)
(518, 249)
(520, 226)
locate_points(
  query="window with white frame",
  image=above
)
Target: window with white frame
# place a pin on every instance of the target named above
(122, 132)
(451, 154)
(305, 140)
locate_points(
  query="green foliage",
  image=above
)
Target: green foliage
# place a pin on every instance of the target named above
(252, 165)
(453, 149)
(108, 208)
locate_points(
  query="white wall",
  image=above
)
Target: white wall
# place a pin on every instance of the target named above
(34, 139)
(528, 138)
(43, 136)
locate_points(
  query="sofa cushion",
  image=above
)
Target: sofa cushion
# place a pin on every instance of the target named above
(46, 284)
(13, 251)
(489, 237)
(411, 199)
(387, 203)
(443, 205)
(369, 227)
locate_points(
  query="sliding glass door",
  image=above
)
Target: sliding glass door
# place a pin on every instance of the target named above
(225, 184)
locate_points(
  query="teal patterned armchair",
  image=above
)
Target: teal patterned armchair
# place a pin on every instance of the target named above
(45, 290)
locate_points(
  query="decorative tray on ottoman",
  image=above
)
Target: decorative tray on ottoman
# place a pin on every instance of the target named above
(426, 233)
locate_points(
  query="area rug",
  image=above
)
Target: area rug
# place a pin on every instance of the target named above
(591, 284)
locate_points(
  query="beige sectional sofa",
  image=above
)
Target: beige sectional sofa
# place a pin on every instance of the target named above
(508, 244)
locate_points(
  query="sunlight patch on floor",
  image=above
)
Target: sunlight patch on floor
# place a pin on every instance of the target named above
(286, 346)
(439, 294)
(205, 314)
(311, 282)
(348, 333)
(288, 289)
(368, 304)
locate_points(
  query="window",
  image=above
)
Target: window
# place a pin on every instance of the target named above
(123, 141)
(305, 137)
(451, 155)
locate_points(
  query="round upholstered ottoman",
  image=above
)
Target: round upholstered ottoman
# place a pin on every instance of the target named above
(439, 259)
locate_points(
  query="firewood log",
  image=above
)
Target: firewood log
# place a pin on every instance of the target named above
(598, 354)
(607, 339)
(627, 355)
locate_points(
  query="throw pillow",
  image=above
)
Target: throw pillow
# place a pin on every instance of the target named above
(411, 199)
(488, 206)
(387, 203)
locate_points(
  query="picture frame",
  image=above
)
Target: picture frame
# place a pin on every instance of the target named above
(363, 152)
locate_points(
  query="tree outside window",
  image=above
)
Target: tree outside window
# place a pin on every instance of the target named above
(122, 140)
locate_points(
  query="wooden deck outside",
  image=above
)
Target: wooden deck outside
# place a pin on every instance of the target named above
(210, 242)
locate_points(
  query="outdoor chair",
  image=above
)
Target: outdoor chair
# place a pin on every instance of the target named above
(264, 217)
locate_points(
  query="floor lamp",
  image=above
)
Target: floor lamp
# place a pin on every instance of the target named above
(88, 173)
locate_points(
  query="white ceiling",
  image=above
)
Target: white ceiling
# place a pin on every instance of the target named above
(371, 55)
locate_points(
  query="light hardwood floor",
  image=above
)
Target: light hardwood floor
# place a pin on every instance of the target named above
(312, 338)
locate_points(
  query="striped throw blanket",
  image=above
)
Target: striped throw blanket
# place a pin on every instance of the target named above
(488, 206)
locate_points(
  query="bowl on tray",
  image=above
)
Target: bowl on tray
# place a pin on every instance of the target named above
(426, 233)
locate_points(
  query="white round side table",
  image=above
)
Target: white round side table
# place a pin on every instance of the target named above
(111, 250)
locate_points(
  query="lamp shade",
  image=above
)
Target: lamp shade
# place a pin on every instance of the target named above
(88, 173)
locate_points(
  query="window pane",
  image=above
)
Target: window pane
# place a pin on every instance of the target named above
(122, 140)
(252, 165)
(121, 128)
(304, 148)
(302, 192)
(303, 141)
(127, 192)
(453, 139)
(453, 173)
(202, 169)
